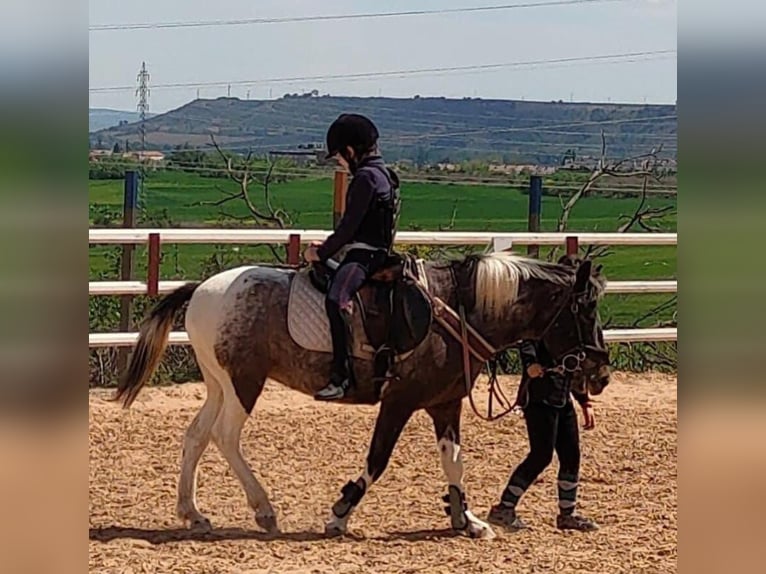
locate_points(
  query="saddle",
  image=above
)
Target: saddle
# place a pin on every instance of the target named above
(396, 314)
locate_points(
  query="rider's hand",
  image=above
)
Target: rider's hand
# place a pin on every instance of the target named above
(535, 370)
(589, 422)
(315, 243)
(310, 254)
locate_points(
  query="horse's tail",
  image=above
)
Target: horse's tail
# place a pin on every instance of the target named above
(152, 340)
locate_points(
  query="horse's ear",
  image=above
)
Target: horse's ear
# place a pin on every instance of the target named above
(583, 276)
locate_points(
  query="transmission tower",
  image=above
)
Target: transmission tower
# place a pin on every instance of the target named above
(143, 102)
(143, 106)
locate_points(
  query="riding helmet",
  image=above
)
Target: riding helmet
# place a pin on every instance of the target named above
(353, 130)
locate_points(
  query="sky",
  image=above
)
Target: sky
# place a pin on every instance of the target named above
(258, 56)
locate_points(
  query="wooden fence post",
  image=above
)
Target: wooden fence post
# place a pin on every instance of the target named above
(294, 249)
(573, 245)
(339, 196)
(153, 266)
(129, 206)
(535, 209)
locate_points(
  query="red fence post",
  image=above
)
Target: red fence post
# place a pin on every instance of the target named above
(340, 187)
(573, 245)
(294, 249)
(153, 268)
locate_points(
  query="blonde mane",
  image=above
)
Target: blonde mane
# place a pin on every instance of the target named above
(499, 275)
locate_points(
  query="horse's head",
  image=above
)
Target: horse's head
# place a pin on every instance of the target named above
(575, 338)
(521, 298)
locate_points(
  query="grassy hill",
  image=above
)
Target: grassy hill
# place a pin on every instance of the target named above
(419, 129)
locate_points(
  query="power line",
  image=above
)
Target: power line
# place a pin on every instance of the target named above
(517, 129)
(329, 17)
(400, 73)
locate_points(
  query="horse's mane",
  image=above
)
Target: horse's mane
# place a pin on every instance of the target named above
(498, 275)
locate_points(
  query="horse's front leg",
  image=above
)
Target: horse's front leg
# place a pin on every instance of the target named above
(393, 416)
(446, 419)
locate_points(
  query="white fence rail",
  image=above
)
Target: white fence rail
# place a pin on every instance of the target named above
(182, 338)
(279, 236)
(142, 287)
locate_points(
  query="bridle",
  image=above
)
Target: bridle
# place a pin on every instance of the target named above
(570, 362)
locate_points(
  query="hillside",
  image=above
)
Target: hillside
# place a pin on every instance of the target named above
(102, 118)
(419, 129)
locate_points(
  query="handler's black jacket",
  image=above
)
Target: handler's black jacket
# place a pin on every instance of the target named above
(552, 388)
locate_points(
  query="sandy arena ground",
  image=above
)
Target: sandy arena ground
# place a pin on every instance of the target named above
(304, 452)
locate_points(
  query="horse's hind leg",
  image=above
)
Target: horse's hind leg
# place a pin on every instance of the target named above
(195, 442)
(446, 419)
(227, 430)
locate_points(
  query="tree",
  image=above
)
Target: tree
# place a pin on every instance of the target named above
(240, 171)
(649, 169)
(662, 355)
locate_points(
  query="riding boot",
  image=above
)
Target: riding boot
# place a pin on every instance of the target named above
(342, 374)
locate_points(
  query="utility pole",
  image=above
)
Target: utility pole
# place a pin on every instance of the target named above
(228, 91)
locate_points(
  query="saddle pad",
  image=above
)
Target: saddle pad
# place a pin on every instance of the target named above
(307, 320)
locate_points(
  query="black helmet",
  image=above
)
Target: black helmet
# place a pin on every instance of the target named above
(352, 130)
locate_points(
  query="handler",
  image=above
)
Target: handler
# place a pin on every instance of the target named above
(544, 396)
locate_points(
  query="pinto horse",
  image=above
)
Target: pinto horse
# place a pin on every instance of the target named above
(244, 325)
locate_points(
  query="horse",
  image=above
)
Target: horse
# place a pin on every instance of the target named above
(249, 323)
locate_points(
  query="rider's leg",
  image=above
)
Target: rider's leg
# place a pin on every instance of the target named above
(349, 277)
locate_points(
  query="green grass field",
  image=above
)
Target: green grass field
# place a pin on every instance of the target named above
(426, 206)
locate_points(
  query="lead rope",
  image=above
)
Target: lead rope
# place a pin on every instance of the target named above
(496, 392)
(494, 386)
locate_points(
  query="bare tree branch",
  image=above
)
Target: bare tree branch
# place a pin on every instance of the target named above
(451, 224)
(235, 217)
(243, 177)
(656, 311)
(642, 216)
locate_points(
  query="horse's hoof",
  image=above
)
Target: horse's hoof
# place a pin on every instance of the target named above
(268, 522)
(478, 528)
(333, 530)
(480, 532)
(201, 525)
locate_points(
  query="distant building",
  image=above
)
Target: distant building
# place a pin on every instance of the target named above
(97, 154)
(518, 169)
(300, 156)
(149, 156)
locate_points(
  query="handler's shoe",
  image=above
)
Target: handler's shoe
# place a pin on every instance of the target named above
(575, 522)
(505, 516)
